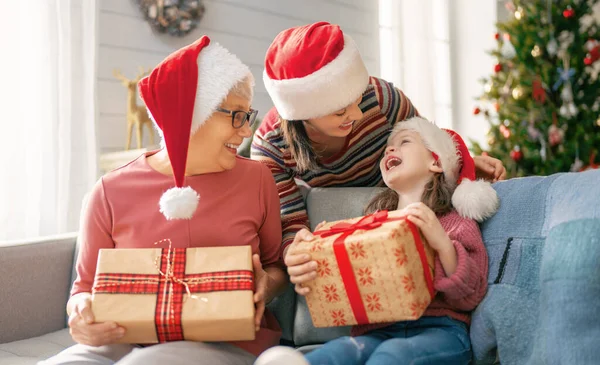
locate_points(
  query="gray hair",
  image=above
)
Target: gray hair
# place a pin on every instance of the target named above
(244, 88)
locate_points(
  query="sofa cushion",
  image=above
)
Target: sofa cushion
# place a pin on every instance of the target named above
(35, 279)
(32, 350)
(533, 212)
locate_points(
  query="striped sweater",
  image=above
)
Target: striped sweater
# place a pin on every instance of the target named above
(357, 164)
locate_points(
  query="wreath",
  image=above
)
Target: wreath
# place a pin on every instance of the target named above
(175, 17)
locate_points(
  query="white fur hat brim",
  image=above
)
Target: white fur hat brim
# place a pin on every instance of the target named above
(333, 87)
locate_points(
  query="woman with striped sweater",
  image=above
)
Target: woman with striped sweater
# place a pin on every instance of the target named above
(330, 122)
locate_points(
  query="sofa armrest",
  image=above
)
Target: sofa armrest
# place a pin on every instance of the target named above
(35, 279)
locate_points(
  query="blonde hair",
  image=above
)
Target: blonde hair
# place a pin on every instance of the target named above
(244, 88)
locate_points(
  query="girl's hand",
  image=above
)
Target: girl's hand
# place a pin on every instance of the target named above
(300, 267)
(429, 224)
(85, 331)
(489, 168)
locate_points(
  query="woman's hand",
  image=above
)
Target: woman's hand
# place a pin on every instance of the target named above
(489, 168)
(262, 285)
(301, 267)
(84, 330)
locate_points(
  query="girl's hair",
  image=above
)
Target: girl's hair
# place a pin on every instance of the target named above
(437, 196)
(302, 151)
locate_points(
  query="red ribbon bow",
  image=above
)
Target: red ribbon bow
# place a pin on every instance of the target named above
(368, 222)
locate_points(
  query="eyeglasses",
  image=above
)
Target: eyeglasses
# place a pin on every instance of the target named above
(239, 117)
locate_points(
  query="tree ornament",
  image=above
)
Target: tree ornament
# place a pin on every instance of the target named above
(555, 134)
(552, 47)
(519, 13)
(488, 87)
(505, 131)
(497, 106)
(533, 132)
(508, 51)
(592, 165)
(577, 164)
(539, 94)
(598, 122)
(497, 36)
(587, 60)
(498, 67)
(543, 153)
(516, 154)
(568, 109)
(518, 92)
(569, 12)
(476, 110)
(536, 51)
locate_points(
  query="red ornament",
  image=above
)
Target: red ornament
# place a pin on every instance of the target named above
(505, 131)
(568, 12)
(497, 106)
(516, 154)
(497, 36)
(498, 67)
(539, 94)
(592, 164)
(595, 53)
(587, 60)
(476, 110)
(555, 135)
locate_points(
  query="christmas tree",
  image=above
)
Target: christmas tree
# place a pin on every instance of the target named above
(543, 97)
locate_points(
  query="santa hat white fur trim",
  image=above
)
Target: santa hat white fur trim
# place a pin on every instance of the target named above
(179, 203)
(437, 141)
(331, 88)
(218, 72)
(472, 199)
(475, 199)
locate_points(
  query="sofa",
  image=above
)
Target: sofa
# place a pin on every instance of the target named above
(542, 305)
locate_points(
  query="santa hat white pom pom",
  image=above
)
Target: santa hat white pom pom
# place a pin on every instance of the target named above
(475, 199)
(179, 203)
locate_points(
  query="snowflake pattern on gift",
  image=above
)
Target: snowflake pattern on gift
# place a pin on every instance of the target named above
(418, 307)
(323, 269)
(373, 302)
(409, 283)
(365, 277)
(401, 258)
(317, 247)
(358, 251)
(331, 293)
(338, 317)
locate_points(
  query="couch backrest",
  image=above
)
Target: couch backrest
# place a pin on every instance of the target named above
(35, 278)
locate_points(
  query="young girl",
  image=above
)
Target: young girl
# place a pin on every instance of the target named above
(430, 179)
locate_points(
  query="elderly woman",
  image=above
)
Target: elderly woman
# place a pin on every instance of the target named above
(199, 98)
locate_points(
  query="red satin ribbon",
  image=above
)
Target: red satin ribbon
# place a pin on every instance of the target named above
(368, 222)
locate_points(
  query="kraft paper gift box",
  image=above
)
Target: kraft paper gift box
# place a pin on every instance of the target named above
(172, 294)
(372, 269)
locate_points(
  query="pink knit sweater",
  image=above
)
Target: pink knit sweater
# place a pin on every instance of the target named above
(457, 294)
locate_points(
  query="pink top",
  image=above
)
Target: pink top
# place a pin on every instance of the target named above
(459, 293)
(237, 207)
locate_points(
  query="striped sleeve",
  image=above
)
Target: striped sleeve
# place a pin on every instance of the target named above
(394, 104)
(266, 148)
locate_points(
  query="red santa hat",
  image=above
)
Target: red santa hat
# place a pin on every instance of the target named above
(181, 93)
(313, 70)
(472, 198)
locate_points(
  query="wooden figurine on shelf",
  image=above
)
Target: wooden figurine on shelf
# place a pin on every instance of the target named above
(137, 116)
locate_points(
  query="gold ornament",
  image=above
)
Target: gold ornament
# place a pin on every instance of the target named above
(519, 13)
(598, 122)
(491, 141)
(517, 93)
(488, 87)
(536, 51)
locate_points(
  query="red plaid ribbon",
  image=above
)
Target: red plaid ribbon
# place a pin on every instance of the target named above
(368, 222)
(170, 284)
